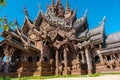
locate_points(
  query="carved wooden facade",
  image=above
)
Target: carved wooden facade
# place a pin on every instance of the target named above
(56, 42)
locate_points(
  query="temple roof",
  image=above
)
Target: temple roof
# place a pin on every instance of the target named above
(97, 34)
(71, 18)
(113, 38)
(18, 45)
(83, 36)
(38, 19)
(27, 22)
(81, 24)
(59, 26)
(67, 7)
(60, 9)
(110, 50)
(99, 29)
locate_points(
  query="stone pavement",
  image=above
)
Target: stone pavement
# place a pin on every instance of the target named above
(104, 77)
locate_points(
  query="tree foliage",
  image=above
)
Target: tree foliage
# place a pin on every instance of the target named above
(6, 27)
(2, 3)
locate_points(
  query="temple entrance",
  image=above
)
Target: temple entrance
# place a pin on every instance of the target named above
(108, 58)
(30, 59)
(80, 57)
(61, 67)
(38, 58)
(15, 59)
(16, 56)
(45, 59)
(97, 59)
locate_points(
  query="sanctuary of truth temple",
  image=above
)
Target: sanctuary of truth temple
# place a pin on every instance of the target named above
(58, 43)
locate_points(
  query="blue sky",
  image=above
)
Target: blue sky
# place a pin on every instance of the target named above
(97, 9)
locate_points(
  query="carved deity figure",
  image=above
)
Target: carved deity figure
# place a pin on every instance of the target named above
(60, 69)
(8, 53)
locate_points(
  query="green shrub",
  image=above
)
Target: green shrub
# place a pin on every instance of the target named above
(94, 75)
(7, 78)
(1, 78)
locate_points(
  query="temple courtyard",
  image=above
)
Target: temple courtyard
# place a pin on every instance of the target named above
(97, 76)
(103, 77)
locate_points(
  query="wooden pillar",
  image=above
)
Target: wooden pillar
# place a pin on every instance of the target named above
(100, 55)
(41, 58)
(88, 59)
(42, 46)
(114, 57)
(83, 57)
(24, 57)
(57, 62)
(105, 57)
(119, 55)
(111, 57)
(65, 58)
(65, 62)
(78, 56)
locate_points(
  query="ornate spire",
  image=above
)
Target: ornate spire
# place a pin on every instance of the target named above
(5, 24)
(40, 9)
(53, 2)
(60, 9)
(5, 20)
(59, 2)
(67, 7)
(15, 22)
(25, 11)
(85, 14)
(103, 21)
(39, 6)
(17, 28)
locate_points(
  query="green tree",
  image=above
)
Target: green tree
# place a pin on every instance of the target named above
(4, 25)
(2, 3)
(7, 26)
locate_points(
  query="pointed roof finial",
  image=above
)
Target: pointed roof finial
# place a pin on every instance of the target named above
(52, 2)
(15, 22)
(59, 2)
(60, 9)
(39, 7)
(103, 20)
(75, 10)
(85, 14)
(5, 20)
(67, 7)
(25, 11)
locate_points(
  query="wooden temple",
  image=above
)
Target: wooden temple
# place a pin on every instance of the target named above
(58, 43)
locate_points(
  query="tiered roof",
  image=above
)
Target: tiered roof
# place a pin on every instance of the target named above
(61, 23)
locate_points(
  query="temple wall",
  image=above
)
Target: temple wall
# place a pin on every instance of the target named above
(39, 45)
(110, 64)
(47, 53)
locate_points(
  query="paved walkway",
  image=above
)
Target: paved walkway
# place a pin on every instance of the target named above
(104, 77)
